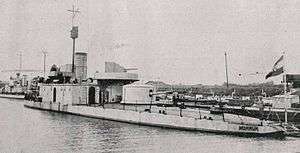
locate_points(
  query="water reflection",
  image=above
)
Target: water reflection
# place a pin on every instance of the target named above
(28, 130)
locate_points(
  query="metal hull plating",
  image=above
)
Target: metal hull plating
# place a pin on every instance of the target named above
(161, 120)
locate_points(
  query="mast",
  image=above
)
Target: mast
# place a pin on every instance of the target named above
(74, 35)
(226, 71)
(45, 56)
(285, 88)
(20, 62)
(73, 55)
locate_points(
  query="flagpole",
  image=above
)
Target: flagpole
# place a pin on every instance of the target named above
(285, 88)
(226, 71)
(282, 70)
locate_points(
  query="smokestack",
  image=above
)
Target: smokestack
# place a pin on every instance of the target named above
(80, 65)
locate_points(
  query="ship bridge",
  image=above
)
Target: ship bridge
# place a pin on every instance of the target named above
(115, 74)
(109, 79)
(111, 84)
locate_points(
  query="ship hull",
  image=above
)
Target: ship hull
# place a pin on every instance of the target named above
(161, 120)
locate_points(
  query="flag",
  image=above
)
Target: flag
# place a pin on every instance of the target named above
(277, 68)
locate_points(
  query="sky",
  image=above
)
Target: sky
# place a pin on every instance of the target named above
(173, 41)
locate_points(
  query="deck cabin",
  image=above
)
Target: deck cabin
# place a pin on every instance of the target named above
(104, 88)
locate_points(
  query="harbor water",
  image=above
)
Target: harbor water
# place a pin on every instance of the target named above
(27, 131)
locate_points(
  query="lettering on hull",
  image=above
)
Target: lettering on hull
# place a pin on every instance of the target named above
(248, 128)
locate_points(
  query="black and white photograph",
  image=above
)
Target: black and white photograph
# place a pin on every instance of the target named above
(149, 76)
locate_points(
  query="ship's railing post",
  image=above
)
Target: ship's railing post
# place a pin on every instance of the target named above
(199, 113)
(150, 105)
(180, 111)
(136, 105)
(181, 106)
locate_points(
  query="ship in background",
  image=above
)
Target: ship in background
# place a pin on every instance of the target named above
(282, 108)
(23, 81)
(273, 108)
(18, 86)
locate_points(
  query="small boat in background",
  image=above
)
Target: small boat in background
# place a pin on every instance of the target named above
(291, 130)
